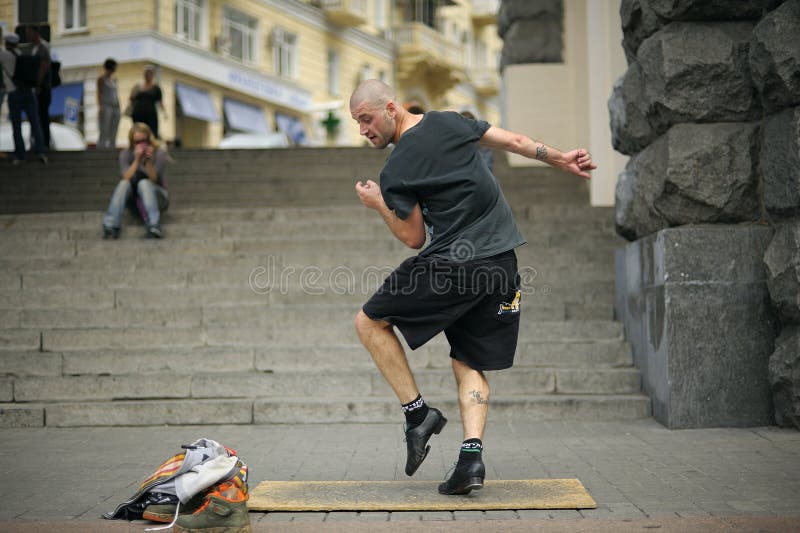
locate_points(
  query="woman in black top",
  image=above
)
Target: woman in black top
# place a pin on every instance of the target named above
(144, 98)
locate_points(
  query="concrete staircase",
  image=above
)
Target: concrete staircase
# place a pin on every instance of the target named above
(243, 314)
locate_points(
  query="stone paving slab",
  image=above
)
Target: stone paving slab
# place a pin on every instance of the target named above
(640, 474)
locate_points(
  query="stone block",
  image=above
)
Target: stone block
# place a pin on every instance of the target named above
(696, 311)
(533, 41)
(698, 72)
(784, 377)
(514, 10)
(634, 217)
(281, 384)
(782, 261)
(780, 162)
(79, 388)
(6, 390)
(519, 381)
(17, 416)
(775, 57)
(158, 361)
(150, 413)
(311, 411)
(707, 9)
(598, 381)
(17, 339)
(25, 363)
(696, 173)
(639, 22)
(631, 130)
(719, 339)
(122, 338)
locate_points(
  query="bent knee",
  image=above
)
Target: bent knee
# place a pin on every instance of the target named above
(361, 321)
(364, 323)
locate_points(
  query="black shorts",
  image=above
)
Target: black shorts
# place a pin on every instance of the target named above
(475, 303)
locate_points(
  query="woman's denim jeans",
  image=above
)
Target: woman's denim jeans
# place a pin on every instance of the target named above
(154, 198)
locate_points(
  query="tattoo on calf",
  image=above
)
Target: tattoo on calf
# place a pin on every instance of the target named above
(476, 397)
(541, 153)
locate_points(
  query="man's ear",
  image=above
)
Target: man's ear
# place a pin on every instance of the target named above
(391, 108)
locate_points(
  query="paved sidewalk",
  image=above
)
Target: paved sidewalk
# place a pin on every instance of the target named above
(641, 475)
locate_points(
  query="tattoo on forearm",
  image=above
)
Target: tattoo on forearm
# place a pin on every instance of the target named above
(541, 153)
(476, 397)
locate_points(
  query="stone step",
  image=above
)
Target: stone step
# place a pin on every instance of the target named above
(283, 334)
(254, 299)
(273, 193)
(310, 384)
(342, 279)
(528, 407)
(119, 265)
(336, 227)
(536, 213)
(19, 339)
(342, 332)
(181, 360)
(163, 315)
(319, 244)
(345, 409)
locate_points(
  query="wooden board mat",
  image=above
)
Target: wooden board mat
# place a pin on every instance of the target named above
(417, 496)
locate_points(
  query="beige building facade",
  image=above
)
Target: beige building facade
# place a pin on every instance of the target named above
(261, 66)
(566, 104)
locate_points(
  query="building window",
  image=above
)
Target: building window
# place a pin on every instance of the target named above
(380, 14)
(365, 73)
(423, 11)
(284, 53)
(74, 14)
(333, 72)
(190, 20)
(241, 32)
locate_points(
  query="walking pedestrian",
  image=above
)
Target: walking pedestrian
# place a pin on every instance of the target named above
(22, 97)
(465, 281)
(108, 104)
(44, 89)
(145, 99)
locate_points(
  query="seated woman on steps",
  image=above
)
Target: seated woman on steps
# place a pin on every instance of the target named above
(142, 167)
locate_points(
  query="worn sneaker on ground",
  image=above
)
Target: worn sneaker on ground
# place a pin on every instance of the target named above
(224, 510)
(110, 233)
(154, 232)
(165, 512)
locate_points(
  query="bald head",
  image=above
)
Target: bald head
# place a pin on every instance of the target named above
(374, 93)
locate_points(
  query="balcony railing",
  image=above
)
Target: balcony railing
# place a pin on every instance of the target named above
(417, 40)
(345, 13)
(484, 12)
(486, 80)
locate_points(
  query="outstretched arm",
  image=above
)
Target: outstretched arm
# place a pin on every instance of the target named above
(411, 230)
(577, 162)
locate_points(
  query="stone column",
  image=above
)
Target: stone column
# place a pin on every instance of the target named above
(532, 31)
(708, 112)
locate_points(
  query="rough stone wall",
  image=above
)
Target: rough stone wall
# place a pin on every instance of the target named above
(532, 31)
(709, 111)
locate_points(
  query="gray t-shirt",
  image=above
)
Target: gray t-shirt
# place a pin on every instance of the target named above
(436, 164)
(127, 156)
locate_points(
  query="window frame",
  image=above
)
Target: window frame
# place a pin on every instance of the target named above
(202, 7)
(334, 73)
(251, 32)
(284, 52)
(76, 12)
